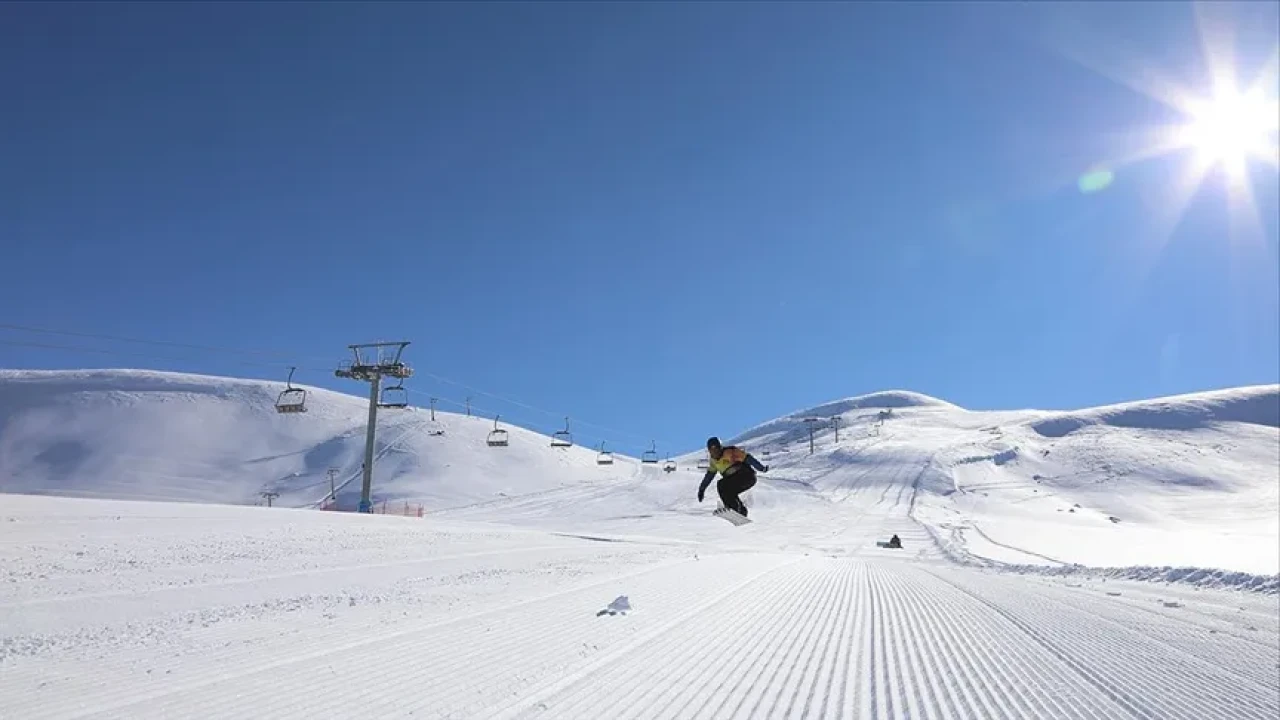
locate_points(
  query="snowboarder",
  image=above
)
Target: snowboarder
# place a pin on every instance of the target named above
(895, 542)
(737, 469)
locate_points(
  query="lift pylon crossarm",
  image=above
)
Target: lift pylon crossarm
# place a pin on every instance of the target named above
(368, 368)
(292, 399)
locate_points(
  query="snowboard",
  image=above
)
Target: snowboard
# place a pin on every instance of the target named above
(731, 515)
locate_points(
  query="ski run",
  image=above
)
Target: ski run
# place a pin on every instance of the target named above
(139, 610)
(1039, 574)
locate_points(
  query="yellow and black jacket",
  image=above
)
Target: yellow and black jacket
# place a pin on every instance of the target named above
(732, 460)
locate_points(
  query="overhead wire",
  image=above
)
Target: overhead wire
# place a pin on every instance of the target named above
(282, 361)
(483, 413)
(544, 411)
(121, 353)
(139, 341)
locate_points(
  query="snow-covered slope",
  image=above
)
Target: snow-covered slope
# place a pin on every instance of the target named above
(541, 585)
(1192, 480)
(1188, 480)
(114, 609)
(164, 436)
(1183, 481)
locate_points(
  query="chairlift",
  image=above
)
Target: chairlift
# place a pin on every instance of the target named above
(394, 396)
(562, 438)
(498, 436)
(604, 457)
(292, 399)
(704, 464)
(669, 465)
(650, 456)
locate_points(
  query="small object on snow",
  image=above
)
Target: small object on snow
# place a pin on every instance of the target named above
(894, 542)
(1113, 519)
(620, 606)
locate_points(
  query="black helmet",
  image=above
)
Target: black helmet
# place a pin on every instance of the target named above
(713, 442)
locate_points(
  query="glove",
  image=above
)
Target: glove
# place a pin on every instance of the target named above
(700, 494)
(766, 469)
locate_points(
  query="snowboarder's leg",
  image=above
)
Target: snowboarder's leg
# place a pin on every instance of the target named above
(728, 494)
(731, 486)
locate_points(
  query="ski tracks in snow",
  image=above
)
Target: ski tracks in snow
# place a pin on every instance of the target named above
(510, 630)
(851, 639)
(453, 666)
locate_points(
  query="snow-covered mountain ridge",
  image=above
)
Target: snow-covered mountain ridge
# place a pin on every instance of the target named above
(1191, 480)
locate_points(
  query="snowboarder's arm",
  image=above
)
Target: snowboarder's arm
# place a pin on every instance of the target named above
(706, 480)
(751, 460)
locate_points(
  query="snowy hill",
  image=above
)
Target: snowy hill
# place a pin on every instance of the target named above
(543, 585)
(1192, 480)
(1182, 481)
(164, 436)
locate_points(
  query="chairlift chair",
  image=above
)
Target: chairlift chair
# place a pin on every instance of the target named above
(604, 457)
(669, 465)
(394, 396)
(562, 438)
(292, 399)
(498, 436)
(650, 456)
(704, 464)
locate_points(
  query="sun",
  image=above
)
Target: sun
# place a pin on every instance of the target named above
(1231, 128)
(1226, 127)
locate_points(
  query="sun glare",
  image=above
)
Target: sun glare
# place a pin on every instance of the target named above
(1228, 126)
(1233, 128)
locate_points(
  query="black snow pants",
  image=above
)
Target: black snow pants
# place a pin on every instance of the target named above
(734, 484)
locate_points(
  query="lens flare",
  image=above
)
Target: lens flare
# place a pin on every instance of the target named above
(1095, 181)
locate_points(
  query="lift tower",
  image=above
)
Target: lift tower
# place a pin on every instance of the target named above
(373, 361)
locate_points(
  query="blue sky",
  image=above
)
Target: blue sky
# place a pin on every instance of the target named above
(672, 220)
